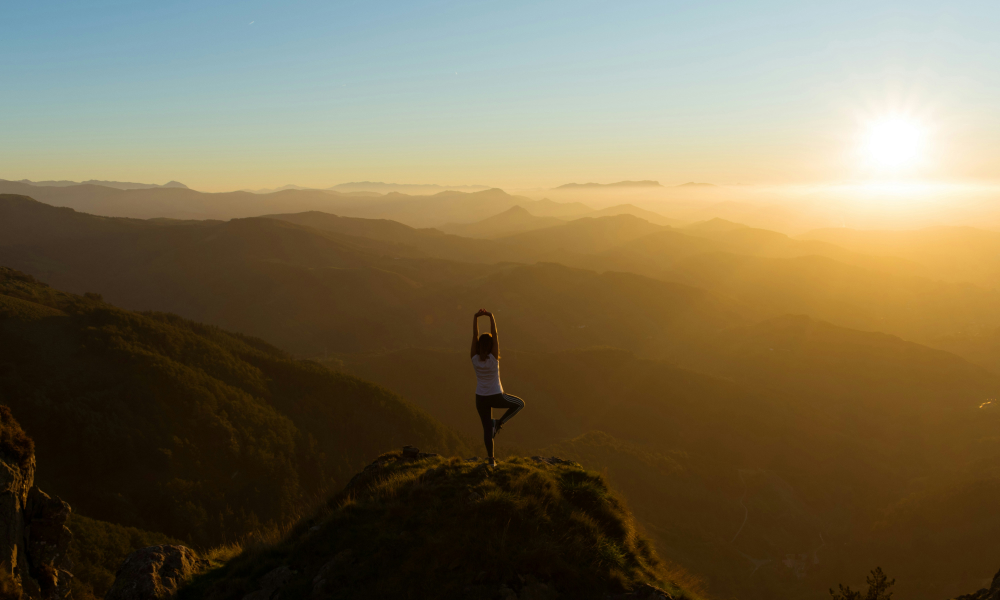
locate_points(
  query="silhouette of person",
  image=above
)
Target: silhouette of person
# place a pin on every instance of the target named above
(485, 354)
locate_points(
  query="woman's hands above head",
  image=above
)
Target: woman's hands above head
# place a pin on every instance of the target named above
(482, 311)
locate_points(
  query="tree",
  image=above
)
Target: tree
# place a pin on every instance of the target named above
(879, 588)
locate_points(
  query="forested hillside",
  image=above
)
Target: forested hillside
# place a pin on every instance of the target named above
(150, 420)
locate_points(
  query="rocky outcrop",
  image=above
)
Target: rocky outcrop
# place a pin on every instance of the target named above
(47, 541)
(15, 484)
(34, 539)
(414, 453)
(409, 453)
(154, 573)
(991, 593)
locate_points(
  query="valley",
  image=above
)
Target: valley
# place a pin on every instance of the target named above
(779, 413)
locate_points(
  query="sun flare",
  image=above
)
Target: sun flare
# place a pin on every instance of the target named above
(894, 143)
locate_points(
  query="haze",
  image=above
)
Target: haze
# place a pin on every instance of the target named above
(740, 263)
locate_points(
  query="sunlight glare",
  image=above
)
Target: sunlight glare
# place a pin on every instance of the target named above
(894, 143)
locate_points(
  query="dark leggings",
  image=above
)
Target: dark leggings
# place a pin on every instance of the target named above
(485, 406)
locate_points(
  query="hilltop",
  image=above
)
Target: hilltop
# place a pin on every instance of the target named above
(418, 525)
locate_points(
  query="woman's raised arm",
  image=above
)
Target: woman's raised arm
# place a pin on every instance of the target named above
(493, 332)
(475, 333)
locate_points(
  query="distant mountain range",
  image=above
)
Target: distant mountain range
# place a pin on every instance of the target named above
(620, 184)
(419, 210)
(414, 189)
(118, 185)
(745, 391)
(378, 187)
(647, 183)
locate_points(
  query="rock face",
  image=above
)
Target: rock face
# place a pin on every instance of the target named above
(993, 593)
(154, 573)
(34, 538)
(15, 484)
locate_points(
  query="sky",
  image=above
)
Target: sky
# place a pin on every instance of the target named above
(250, 94)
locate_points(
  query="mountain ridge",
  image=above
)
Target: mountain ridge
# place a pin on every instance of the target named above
(120, 185)
(646, 183)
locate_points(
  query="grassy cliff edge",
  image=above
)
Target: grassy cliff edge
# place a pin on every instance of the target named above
(452, 528)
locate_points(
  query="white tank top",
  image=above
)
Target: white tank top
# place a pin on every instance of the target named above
(488, 374)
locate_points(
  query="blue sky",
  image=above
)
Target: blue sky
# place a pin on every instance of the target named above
(224, 95)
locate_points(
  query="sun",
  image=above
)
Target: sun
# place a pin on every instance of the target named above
(894, 143)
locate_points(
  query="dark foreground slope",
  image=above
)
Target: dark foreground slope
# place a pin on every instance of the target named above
(149, 420)
(449, 528)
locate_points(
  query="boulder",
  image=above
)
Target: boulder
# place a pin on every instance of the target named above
(46, 532)
(154, 573)
(414, 453)
(409, 453)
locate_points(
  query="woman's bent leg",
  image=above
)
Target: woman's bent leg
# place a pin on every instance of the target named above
(513, 404)
(486, 416)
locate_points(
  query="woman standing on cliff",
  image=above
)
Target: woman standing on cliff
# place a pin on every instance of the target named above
(485, 355)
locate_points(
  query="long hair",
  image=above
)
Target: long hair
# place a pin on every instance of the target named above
(484, 345)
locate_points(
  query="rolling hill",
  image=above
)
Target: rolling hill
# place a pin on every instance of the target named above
(515, 220)
(314, 291)
(278, 277)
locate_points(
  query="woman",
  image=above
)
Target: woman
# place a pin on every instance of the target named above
(485, 356)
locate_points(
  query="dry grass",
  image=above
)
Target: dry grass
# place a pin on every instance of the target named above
(9, 590)
(446, 528)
